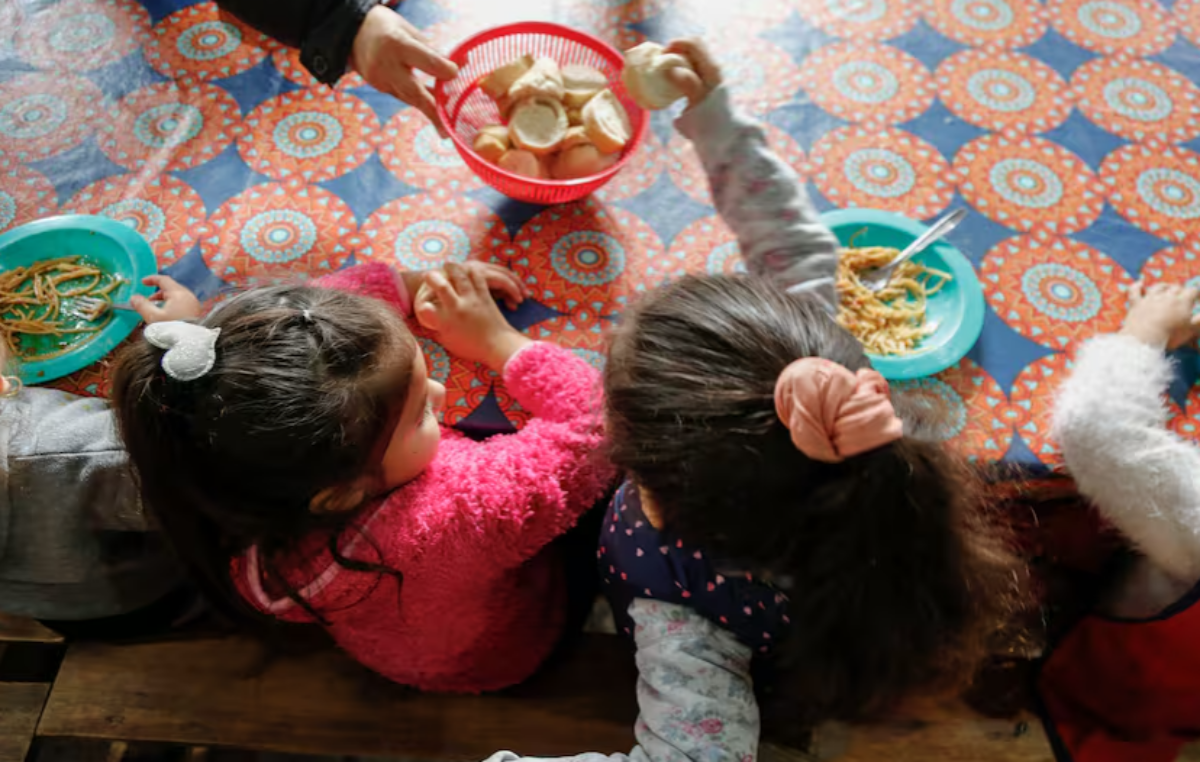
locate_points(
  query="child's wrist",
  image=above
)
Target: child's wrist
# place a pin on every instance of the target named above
(1148, 335)
(503, 347)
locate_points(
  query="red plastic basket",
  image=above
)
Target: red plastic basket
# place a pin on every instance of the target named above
(465, 108)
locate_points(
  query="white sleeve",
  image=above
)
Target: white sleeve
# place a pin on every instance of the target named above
(1110, 418)
(762, 199)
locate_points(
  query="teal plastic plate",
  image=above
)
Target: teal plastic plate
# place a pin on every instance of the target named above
(105, 243)
(957, 310)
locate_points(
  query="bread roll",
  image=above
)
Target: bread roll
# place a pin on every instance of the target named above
(580, 83)
(497, 83)
(498, 130)
(583, 160)
(543, 80)
(606, 122)
(491, 142)
(538, 125)
(576, 136)
(521, 163)
(645, 75)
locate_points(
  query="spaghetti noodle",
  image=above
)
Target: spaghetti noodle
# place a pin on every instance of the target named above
(890, 321)
(35, 301)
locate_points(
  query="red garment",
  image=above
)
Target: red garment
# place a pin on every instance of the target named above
(483, 600)
(1125, 690)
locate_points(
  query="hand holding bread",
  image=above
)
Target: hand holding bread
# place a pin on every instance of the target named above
(700, 77)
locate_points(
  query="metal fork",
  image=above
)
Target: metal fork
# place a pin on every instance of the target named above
(878, 278)
(91, 308)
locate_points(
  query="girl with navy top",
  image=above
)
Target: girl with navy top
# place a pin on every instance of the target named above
(771, 488)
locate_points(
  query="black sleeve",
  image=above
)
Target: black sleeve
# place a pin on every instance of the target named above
(324, 30)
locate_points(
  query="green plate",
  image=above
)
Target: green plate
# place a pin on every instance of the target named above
(100, 241)
(957, 309)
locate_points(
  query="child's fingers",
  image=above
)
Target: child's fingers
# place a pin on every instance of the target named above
(696, 52)
(439, 284)
(688, 83)
(479, 281)
(167, 285)
(148, 310)
(426, 313)
(458, 277)
(504, 282)
(1137, 292)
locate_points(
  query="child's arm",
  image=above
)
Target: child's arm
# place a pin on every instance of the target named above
(694, 688)
(1110, 419)
(694, 691)
(514, 494)
(759, 196)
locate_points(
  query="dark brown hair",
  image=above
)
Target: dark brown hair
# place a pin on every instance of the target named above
(308, 384)
(895, 578)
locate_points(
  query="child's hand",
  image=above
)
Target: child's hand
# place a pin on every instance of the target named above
(501, 281)
(460, 308)
(704, 76)
(172, 302)
(1161, 315)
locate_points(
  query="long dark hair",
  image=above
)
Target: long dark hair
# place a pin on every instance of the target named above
(895, 577)
(307, 385)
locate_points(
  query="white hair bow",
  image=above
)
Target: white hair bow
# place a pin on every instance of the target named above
(191, 349)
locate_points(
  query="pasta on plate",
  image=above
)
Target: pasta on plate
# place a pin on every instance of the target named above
(891, 321)
(38, 317)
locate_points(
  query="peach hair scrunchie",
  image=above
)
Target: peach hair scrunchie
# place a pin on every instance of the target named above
(833, 413)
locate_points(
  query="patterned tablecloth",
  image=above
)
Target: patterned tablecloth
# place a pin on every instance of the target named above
(1069, 130)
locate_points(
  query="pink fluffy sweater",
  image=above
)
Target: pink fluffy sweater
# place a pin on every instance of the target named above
(482, 601)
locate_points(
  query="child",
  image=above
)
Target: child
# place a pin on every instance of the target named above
(1124, 683)
(770, 486)
(75, 548)
(289, 445)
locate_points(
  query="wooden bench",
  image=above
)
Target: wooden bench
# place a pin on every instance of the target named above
(221, 692)
(21, 702)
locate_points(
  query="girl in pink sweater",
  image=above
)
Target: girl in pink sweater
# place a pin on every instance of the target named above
(289, 445)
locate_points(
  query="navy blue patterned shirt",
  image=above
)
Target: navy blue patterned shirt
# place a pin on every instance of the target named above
(639, 561)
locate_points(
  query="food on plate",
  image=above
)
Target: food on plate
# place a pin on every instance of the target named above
(538, 125)
(580, 83)
(491, 142)
(891, 321)
(521, 163)
(561, 122)
(543, 80)
(646, 75)
(606, 122)
(497, 83)
(38, 301)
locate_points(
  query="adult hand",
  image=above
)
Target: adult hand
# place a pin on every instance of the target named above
(387, 50)
(467, 321)
(1161, 315)
(173, 301)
